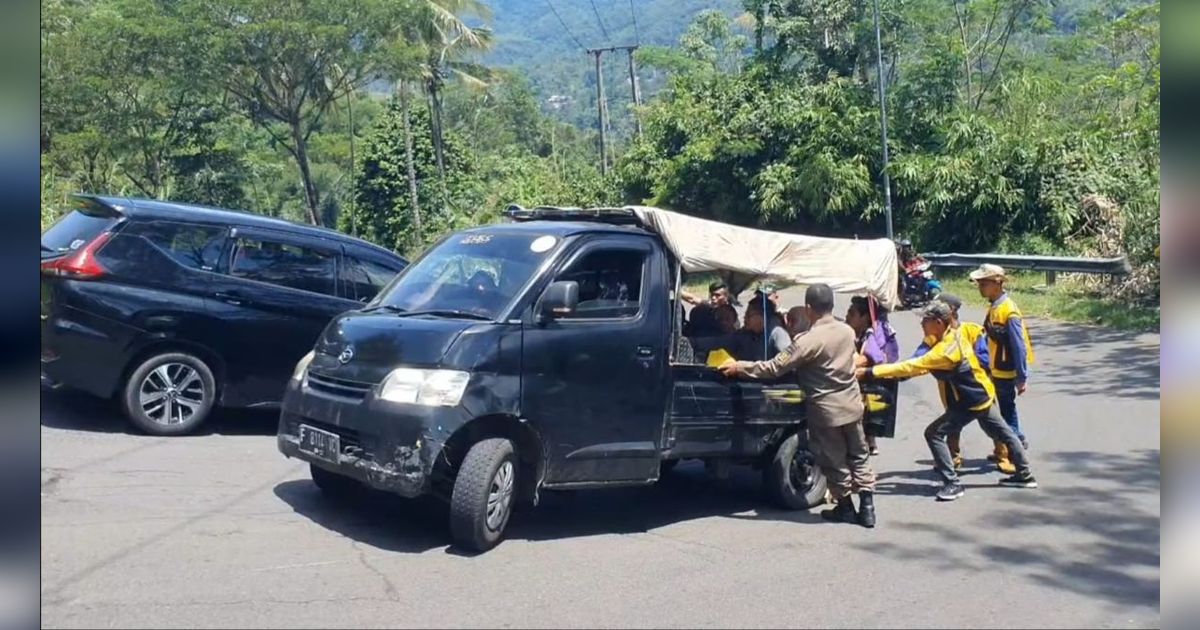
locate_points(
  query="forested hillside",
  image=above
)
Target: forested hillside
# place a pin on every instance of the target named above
(1018, 125)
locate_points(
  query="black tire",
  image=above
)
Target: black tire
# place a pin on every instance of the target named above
(479, 477)
(792, 479)
(178, 368)
(332, 484)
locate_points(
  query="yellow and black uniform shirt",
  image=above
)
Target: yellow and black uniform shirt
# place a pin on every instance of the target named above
(962, 380)
(1009, 346)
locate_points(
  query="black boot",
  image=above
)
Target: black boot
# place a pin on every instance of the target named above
(843, 513)
(866, 508)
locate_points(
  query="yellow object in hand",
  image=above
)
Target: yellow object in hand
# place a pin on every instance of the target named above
(718, 357)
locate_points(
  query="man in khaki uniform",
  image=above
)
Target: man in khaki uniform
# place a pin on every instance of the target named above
(823, 362)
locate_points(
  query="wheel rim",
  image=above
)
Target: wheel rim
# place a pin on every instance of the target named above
(500, 496)
(171, 393)
(803, 471)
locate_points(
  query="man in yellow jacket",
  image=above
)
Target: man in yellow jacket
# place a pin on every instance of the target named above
(1010, 349)
(967, 393)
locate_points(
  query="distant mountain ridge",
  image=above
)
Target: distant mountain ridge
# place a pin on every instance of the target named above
(532, 39)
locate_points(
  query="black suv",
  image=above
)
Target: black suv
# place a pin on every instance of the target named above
(175, 308)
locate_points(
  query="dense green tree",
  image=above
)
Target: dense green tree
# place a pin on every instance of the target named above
(288, 62)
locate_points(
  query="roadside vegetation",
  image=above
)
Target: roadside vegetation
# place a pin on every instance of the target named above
(1017, 126)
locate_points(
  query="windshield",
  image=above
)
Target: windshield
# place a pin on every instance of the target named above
(473, 274)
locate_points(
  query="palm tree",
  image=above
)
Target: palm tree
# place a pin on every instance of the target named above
(427, 51)
(448, 40)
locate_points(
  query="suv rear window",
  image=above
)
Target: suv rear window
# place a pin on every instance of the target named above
(75, 229)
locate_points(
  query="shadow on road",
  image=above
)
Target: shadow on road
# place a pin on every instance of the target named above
(1113, 556)
(1119, 364)
(395, 524)
(77, 411)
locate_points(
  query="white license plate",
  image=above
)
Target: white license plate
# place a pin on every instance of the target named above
(320, 444)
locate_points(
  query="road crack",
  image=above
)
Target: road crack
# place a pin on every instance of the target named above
(388, 586)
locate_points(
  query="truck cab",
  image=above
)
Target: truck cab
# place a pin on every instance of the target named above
(532, 356)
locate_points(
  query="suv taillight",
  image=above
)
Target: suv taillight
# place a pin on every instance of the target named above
(80, 265)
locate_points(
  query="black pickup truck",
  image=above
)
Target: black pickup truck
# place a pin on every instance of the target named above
(537, 355)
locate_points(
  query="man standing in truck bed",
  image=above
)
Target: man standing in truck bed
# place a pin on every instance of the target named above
(823, 362)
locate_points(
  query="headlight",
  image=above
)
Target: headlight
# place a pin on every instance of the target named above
(302, 366)
(431, 388)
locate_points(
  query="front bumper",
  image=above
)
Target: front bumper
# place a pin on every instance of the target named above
(387, 446)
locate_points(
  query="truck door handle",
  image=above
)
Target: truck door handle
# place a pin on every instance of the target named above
(645, 352)
(229, 298)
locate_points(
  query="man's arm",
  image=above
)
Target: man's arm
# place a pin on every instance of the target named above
(802, 351)
(1016, 342)
(916, 366)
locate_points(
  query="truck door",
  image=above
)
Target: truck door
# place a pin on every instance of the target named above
(594, 381)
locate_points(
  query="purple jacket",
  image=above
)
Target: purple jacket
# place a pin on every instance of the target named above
(879, 343)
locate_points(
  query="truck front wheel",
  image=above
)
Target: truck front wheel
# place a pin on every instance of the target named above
(332, 484)
(792, 479)
(484, 489)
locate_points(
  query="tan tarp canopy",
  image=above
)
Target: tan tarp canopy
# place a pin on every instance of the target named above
(744, 255)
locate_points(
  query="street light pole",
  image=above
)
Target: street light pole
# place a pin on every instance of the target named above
(887, 184)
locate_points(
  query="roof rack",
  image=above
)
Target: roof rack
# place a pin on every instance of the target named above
(615, 216)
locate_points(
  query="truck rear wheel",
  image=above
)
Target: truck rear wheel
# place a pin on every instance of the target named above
(792, 479)
(484, 491)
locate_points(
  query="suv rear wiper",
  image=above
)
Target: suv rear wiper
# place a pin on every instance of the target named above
(450, 313)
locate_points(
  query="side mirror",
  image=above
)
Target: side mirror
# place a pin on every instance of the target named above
(560, 299)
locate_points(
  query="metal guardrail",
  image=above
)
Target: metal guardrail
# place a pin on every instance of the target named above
(1118, 266)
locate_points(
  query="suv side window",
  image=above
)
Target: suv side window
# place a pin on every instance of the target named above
(363, 278)
(193, 246)
(610, 283)
(284, 264)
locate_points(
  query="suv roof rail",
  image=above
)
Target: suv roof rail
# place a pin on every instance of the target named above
(615, 216)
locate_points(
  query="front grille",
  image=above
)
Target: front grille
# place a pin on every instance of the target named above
(338, 387)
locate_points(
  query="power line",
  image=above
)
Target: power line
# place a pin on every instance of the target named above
(637, 34)
(564, 25)
(601, 21)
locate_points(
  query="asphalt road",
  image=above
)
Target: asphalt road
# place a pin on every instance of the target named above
(219, 530)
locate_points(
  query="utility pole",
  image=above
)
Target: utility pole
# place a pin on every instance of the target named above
(600, 111)
(637, 96)
(353, 209)
(887, 184)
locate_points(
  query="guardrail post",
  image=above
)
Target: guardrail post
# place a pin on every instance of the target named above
(1051, 276)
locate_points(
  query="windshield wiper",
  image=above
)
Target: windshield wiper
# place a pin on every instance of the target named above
(450, 313)
(387, 307)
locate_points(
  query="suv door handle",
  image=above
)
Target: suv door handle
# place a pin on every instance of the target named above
(229, 298)
(645, 352)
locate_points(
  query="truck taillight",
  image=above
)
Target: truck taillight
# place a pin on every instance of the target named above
(80, 265)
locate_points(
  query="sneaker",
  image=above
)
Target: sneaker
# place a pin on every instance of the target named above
(950, 492)
(1020, 481)
(874, 451)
